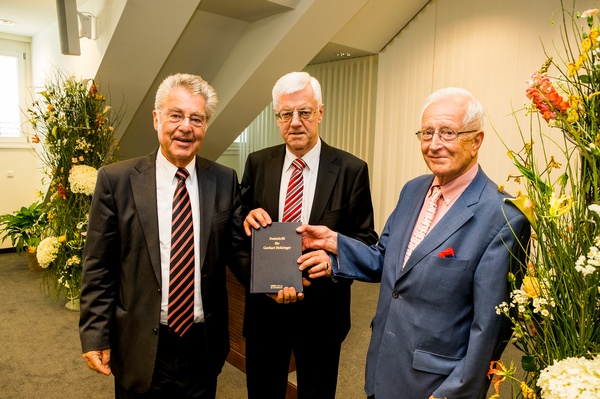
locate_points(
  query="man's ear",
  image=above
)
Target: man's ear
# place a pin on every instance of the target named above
(477, 140)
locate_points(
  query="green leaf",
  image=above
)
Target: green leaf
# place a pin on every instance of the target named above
(528, 363)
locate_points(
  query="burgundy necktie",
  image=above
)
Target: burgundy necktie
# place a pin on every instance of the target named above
(293, 197)
(423, 227)
(181, 275)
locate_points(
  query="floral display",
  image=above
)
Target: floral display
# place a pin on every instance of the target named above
(73, 136)
(82, 179)
(47, 251)
(571, 378)
(554, 304)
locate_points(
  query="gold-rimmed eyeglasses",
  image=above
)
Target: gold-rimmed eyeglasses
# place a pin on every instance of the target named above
(444, 135)
(304, 114)
(196, 120)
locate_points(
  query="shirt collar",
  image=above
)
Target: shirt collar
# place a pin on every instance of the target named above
(451, 190)
(311, 158)
(169, 169)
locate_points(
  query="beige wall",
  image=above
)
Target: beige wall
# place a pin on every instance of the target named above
(21, 189)
(489, 47)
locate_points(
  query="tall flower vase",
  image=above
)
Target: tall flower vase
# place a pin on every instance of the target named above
(73, 303)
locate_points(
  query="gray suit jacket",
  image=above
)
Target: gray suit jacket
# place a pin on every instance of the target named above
(121, 284)
(435, 330)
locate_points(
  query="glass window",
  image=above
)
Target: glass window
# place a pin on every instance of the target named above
(15, 81)
(9, 97)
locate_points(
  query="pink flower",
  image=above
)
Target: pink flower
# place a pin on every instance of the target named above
(589, 13)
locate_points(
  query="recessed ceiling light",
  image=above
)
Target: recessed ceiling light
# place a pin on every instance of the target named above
(343, 54)
(6, 22)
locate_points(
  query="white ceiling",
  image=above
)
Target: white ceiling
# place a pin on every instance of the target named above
(240, 46)
(367, 33)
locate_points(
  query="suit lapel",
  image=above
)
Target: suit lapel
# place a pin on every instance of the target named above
(207, 190)
(457, 216)
(143, 187)
(326, 178)
(272, 172)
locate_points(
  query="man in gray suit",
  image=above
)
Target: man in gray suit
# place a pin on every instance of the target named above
(443, 266)
(158, 344)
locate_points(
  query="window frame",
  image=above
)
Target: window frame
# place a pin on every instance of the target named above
(20, 48)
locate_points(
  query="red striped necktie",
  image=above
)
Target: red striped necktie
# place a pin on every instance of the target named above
(292, 209)
(181, 274)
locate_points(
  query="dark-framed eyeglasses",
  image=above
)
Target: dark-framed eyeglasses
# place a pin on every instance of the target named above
(196, 120)
(444, 135)
(304, 114)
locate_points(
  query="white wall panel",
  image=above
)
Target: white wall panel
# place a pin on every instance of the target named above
(488, 47)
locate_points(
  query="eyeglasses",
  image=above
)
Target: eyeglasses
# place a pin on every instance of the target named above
(304, 114)
(198, 120)
(444, 135)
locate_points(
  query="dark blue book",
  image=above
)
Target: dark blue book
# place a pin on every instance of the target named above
(275, 252)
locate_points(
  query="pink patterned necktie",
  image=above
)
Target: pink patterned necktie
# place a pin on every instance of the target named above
(293, 197)
(423, 227)
(181, 275)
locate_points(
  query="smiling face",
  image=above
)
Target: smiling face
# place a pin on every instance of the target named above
(300, 135)
(179, 142)
(448, 160)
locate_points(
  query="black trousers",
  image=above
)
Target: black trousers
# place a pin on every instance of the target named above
(181, 369)
(268, 358)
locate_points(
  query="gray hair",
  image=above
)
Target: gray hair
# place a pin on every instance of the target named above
(194, 83)
(474, 114)
(293, 82)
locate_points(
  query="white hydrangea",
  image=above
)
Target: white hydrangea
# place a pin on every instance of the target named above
(47, 250)
(571, 378)
(83, 179)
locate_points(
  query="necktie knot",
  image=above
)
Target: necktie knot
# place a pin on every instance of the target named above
(182, 174)
(299, 163)
(436, 193)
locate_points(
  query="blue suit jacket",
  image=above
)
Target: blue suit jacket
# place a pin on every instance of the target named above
(435, 330)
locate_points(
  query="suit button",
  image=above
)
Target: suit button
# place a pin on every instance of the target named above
(159, 290)
(395, 295)
(155, 331)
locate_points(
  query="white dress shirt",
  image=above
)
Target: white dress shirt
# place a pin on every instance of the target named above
(166, 182)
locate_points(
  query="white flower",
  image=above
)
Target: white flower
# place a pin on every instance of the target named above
(74, 261)
(595, 208)
(47, 251)
(571, 378)
(83, 179)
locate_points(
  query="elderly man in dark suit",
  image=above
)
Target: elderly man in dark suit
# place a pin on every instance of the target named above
(443, 261)
(335, 193)
(162, 229)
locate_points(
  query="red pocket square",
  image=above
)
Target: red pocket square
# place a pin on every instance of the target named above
(447, 253)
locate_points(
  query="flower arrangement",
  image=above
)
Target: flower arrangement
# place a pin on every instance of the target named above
(73, 136)
(554, 308)
(571, 378)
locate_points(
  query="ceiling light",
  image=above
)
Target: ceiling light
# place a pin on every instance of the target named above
(6, 22)
(343, 54)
